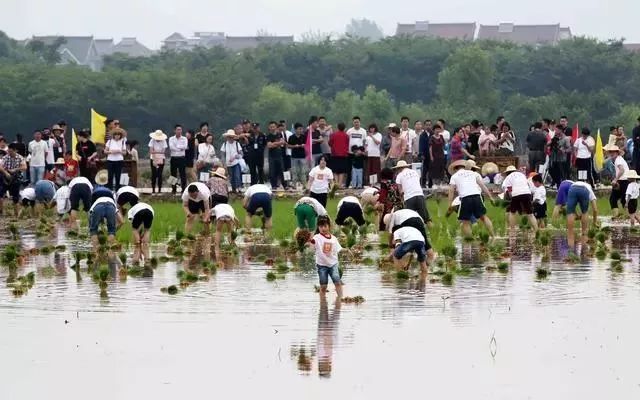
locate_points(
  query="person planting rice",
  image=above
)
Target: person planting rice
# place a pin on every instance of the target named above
(63, 205)
(632, 194)
(349, 207)
(561, 198)
(27, 201)
(327, 247)
(469, 186)
(258, 197)
(389, 197)
(369, 196)
(141, 217)
(223, 216)
(580, 193)
(196, 201)
(101, 190)
(539, 200)
(408, 218)
(12, 167)
(455, 208)
(80, 189)
(218, 186)
(307, 211)
(619, 182)
(45, 191)
(126, 195)
(408, 181)
(407, 240)
(515, 184)
(102, 210)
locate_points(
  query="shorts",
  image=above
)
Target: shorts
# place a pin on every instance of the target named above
(471, 206)
(128, 198)
(540, 210)
(106, 211)
(218, 199)
(633, 206)
(325, 272)
(144, 218)
(563, 192)
(577, 195)
(306, 217)
(521, 204)
(418, 204)
(80, 192)
(417, 223)
(260, 201)
(196, 207)
(28, 203)
(339, 165)
(351, 210)
(407, 247)
(45, 191)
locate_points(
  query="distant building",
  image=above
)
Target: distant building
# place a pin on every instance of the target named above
(178, 42)
(635, 47)
(533, 35)
(80, 50)
(104, 46)
(462, 31)
(132, 48)
(251, 42)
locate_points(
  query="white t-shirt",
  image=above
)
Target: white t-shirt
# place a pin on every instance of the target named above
(203, 193)
(101, 200)
(327, 249)
(223, 210)
(321, 178)
(157, 146)
(539, 194)
(356, 137)
(465, 182)
(582, 147)
(115, 145)
(206, 153)
(409, 179)
(50, 158)
(592, 196)
(137, 208)
(80, 180)
(619, 161)
(446, 135)
(373, 149)
(317, 207)
(410, 135)
(127, 189)
(231, 150)
(518, 183)
(288, 135)
(633, 190)
(38, 152)
(398, 217)
(408, 234)
(369, 191)
(61, 198)
(349, 199)
(178, 146)
(28, 194)
(254, 189)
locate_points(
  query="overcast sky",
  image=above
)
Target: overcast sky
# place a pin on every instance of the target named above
(153, 20)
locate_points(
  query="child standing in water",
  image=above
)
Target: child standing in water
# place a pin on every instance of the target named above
(327, 247)
(632, 194)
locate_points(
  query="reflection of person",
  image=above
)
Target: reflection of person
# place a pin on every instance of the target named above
(327, 336)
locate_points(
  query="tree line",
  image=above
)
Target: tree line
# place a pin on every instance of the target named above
(595, 83)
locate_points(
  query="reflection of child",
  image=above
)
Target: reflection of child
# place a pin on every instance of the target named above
(357, 167)
(326, 247)
(632, 194)
(539, 200)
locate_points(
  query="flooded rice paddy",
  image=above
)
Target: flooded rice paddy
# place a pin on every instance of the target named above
(488, 335)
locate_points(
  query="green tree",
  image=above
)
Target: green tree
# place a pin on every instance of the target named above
(376, 106)
(365, 29)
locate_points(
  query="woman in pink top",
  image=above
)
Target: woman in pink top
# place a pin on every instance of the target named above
(487, 141)
(398, 148)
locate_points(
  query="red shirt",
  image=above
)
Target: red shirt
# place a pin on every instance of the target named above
(339, 143)
(71, 168)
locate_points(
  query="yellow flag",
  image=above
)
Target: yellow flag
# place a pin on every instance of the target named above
(98, 130)
(598, 157)
(74, 143)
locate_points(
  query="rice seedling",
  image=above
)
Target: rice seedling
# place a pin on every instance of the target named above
(271, 276)
(281, 267)
(135, 271)
(615, 255)
(601, 253)
(353, 300)
(61, 247)
(601, 237)
(47, 272)
(447, 278)
(179, 235)
(503, 267)
(187, 276)
(402, 275)
(572, 258)
(617, 266)
(542, 273)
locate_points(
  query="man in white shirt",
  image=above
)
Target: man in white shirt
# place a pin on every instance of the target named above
(195, 201)
(580, 193)
(258, 197)
(177, 146)
(408, 181)
(469, 186)
(357, 136)
(223, 216)
(445, 133)
(38, 156)
(583, 149)
(410, 135)
(372, 148)
(517, 186)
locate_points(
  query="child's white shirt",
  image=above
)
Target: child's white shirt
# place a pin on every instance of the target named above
(539, 195)
(327, 249)
(633, 190)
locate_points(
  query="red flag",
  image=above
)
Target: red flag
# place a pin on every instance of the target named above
(307, 145)
(574, 137)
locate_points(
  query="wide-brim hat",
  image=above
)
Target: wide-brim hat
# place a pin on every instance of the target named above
(219, 172)
(391, 125)
(452, 167)
(158, 135)
(56, 127)
(470, 164)
(510, 169)
(489, 168)
(401, 164)
(631, 174)
(118, 131)
(229, 133)
(102, 177)
(59, 161)
(611, 147)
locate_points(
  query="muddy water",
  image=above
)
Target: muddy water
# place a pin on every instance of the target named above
(488, 336)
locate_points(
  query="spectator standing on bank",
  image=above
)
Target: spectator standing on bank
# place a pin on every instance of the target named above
(157, 150)
(256, 142)
(232, 154)
(339, 143)
(115, 148)
(325, 132)
(372, 148)
(276, 144)
(178, 145)
(38, 150)
(296, 144)
(190, 155)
